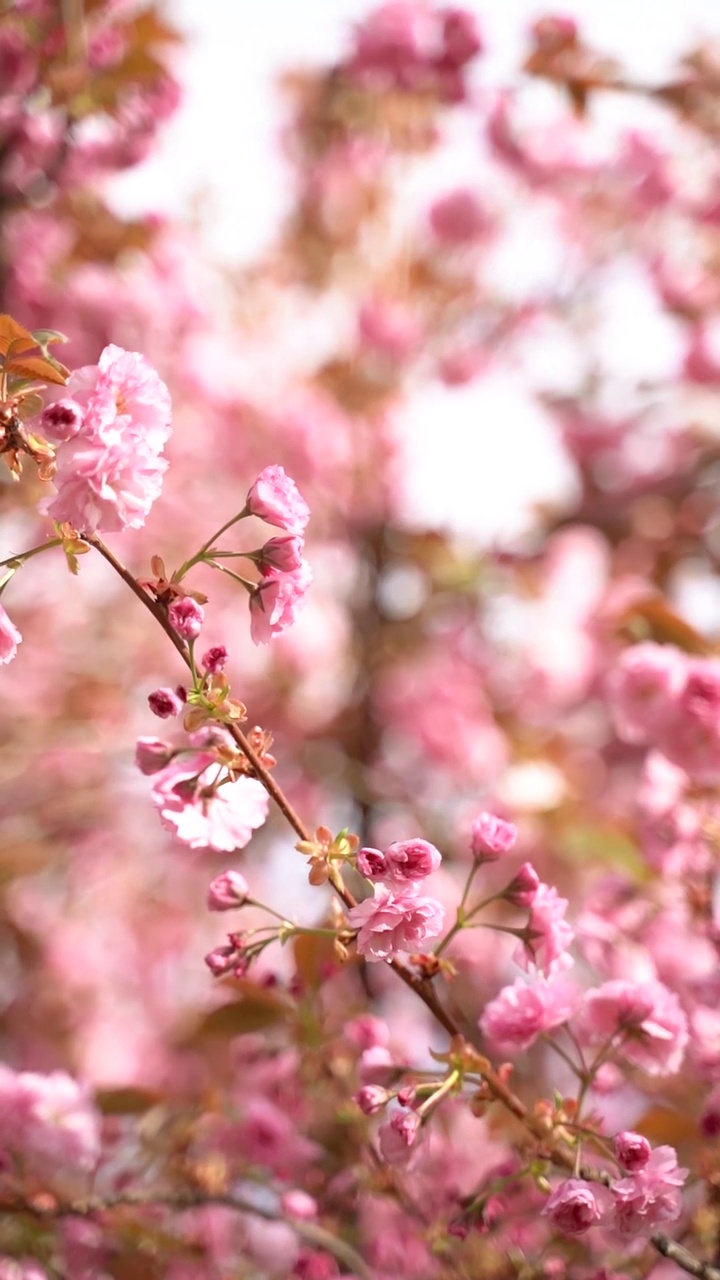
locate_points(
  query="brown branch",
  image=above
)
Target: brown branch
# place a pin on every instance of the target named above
(269, 783)
(423, 989)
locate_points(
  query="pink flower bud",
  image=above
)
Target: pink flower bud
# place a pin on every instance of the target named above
(522, 890)
(371, 863)
(371, 1099)
(152, 755)
(491, 837)
(62, 420)
(282, 554)
(227, 891)
(165, 703)
(398, 1136)
(632, 1150)
(186, 617)
(411, 860)
(221, 960)
(407, 1095)
(215, 659)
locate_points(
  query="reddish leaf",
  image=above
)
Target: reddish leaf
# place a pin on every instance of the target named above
(126, 1100)
(256, 1009)
(14, 335)
(39, 369)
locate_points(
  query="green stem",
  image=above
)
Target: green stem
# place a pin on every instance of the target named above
(200, 555)
(22, 556)
(249, 586)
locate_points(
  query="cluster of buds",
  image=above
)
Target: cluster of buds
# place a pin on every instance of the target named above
(210, 702)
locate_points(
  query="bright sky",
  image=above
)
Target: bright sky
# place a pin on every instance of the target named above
(223, 147)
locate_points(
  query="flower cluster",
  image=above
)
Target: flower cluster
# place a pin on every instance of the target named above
(634, 1205)
(396, 918)
(274, 602)
(111, 428)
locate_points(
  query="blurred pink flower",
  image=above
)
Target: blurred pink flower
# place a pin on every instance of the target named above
(647, 1019)
(50, 1119)
(520, 1013)
(651, 1195)
(10, 638)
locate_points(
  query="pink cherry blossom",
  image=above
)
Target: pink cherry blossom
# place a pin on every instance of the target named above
(521, 1012)
(274, 497)
(10, 638)
(202, 814)
(275, 602)
(650, 1195)
(109, 472)
(549, 934)
(576, 1206)
(391, 922)
(647, 1020)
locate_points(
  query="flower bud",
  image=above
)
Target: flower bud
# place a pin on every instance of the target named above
(522, 890)
(227, 891)
(62, 420)
(152, 755)
(371, 1099)
(371, 863)
(186, 617)
(214, 660)
(165, 703)
(491, 837)
(281, 554)
(632, 1150)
